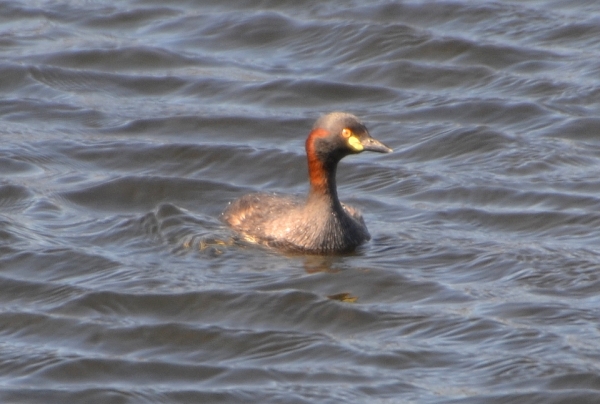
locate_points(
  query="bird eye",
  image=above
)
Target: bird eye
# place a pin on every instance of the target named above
(346, 133)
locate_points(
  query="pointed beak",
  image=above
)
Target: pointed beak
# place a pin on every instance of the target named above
(374, 145)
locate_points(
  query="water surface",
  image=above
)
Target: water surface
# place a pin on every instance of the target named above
(126, 128)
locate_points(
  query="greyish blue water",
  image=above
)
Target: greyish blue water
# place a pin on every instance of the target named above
(126, 127)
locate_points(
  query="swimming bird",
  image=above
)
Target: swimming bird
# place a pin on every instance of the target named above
(319, 224)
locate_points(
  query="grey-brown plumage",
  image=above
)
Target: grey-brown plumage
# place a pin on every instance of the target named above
(320, 224)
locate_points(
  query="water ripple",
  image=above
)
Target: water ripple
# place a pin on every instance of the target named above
(125, 129)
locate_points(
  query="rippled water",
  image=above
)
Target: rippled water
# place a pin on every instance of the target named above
(126, 127)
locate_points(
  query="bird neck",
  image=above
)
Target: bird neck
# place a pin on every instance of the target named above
(322, 179)
(321, 172)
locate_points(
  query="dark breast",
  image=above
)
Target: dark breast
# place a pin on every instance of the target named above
(289, 224)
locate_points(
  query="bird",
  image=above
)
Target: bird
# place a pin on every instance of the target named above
(318, 224)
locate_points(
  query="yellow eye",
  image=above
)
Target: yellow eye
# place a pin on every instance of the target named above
(346, 133)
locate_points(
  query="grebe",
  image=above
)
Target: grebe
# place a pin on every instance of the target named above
(320, 224)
